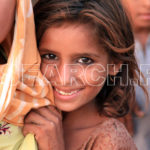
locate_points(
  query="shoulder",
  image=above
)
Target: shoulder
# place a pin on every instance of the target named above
(111, 134)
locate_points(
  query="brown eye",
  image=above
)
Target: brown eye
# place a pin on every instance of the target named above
(49, 56)
(85, 60)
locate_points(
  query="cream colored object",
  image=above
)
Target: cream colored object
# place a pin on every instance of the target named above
(29, 143)
(22, 86)
(11, 138)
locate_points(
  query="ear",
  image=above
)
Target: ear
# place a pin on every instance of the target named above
(114, 68)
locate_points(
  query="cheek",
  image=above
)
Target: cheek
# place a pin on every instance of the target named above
(96, 75)
(134, 15)
(42, 68)
(91, 93)
(131, 8)
(47, 70)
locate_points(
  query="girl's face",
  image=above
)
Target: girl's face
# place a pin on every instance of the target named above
(74, 64)
(139, 10)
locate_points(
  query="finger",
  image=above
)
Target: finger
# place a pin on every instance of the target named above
(49, 114)
(56, 111)
(35, 118)
(49, 110)
(30, 128)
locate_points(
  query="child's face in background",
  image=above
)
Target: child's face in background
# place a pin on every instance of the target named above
(139, 11)
(81, 64)
(7, 16)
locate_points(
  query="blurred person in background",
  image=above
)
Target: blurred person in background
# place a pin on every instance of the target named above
(7, 14)
(7, 17)
(139, 14)
(7, 11)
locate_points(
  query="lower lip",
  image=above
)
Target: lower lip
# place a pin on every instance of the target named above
(66, 97)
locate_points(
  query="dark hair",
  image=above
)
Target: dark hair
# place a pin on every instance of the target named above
(3, 58)
(113, 31)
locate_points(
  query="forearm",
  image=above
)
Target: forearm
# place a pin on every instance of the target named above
(7, 13)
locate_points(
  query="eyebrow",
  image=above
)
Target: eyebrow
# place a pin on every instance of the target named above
(86, 55)
(44, 50)
(73, 55)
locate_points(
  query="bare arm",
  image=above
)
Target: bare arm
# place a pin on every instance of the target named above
(7, 13)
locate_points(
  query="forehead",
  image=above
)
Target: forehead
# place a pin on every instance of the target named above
(73, 32)
(72, 28)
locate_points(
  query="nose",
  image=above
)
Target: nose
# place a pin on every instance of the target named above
(58, 75)
(64, 73)
(69, 75)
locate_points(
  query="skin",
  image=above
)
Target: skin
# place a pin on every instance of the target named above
(139, 13)
(7, 16)
(61, 46)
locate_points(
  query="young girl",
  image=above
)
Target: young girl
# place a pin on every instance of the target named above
(87, 53)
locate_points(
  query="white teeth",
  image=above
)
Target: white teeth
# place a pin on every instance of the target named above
(64, 93)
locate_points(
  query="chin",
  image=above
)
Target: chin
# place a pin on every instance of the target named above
(66, 108)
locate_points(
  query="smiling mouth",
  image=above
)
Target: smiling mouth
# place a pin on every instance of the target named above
(66, 93)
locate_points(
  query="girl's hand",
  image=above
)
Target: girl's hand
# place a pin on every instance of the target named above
(46, 124)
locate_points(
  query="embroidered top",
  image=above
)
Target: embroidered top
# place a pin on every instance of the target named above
(110, 135)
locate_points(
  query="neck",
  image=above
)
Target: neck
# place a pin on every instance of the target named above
(81, 118)
(142, 35)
